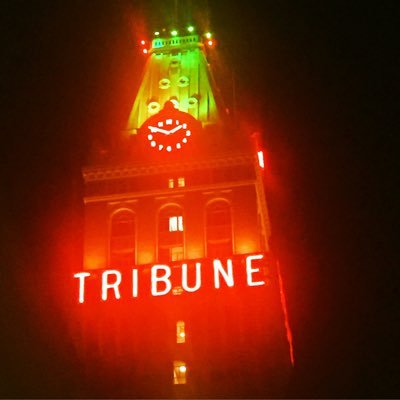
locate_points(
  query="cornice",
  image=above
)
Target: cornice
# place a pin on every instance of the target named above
(91, 174)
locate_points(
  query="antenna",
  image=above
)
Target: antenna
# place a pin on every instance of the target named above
(176, 12)
(189, 12)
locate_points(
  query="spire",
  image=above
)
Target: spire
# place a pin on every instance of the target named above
(176, 15)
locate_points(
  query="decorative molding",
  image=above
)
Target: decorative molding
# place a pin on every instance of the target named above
(92, 174)
(166, 193)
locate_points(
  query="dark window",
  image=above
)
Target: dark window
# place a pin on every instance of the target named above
(122, 239)
(219, 229)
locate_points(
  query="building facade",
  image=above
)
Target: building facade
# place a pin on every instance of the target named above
(180, 294)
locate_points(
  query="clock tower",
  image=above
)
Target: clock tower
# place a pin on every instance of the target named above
(180, 294)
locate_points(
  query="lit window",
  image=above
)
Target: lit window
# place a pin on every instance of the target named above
(175, 224)
(177, 290)
(179, 373)
(170, 234)
(180, 332)
(181, 182)
(171, 183)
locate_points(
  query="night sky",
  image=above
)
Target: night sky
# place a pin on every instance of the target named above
(317, 78)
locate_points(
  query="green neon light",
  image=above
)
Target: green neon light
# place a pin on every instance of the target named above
(199, 101)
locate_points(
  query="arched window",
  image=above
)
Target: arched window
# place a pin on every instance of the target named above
(170, 234)
(122, 239)
(219, 229)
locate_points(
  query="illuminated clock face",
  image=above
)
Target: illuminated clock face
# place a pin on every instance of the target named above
(168, 134)
(169, 130)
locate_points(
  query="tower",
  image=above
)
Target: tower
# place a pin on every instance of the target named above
(180, 294)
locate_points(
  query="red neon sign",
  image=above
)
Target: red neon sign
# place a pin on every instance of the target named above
(218, 273)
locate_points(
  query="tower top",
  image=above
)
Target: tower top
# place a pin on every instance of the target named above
(175, 42)
(176, 70)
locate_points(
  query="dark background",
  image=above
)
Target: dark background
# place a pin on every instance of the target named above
(318, 78)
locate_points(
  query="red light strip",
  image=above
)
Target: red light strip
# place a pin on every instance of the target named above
(260, 155)
(284, 307)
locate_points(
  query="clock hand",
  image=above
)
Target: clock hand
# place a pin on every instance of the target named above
(175, 129)
(154, 129)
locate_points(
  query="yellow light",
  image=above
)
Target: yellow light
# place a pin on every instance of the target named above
(174, 32)
(208, 35)
(182, 334)
(157, 33)
(182, 368)
(190, 28)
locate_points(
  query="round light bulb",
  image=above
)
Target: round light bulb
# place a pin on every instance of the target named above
(174, 32)
(182, 368)
(190, 28)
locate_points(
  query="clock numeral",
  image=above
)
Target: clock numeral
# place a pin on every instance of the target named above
(178, 126)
